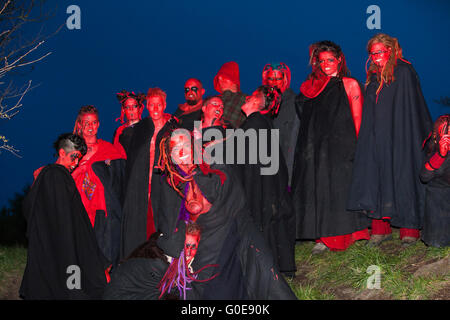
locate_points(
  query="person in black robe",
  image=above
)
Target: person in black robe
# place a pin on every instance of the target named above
(63, 258)
(212, 196)
(286, 121)
(99, 179)
(143, 180)
(267, 194)
(190, 111)
(329, 107)
(131, 108)
(146, 274)
(436, 176)
(389, 155)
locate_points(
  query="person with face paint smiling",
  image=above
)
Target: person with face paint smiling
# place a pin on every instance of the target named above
(212, 196)
(435, 175)
(131, 108)
(191, 110)
(143, 180)
(389, 156)
(59, 232)
(329, 106)
(99, 179)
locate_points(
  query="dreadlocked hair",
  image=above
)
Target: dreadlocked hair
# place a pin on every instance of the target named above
(435, 136)
(272, 99)
(88, 109)
(165, 164)
(327, 46)
(124, 95)
(386, 75)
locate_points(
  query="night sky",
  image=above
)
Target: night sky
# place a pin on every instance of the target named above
(136, 45)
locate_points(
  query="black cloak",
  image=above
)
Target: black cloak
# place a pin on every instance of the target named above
(323, 165)
(389, 156)
(288, 123)
(108, 228)
(134, 226)
(268, 198)
(229, 238)
(436, 222)
(186, 120)
(60, 235)
(125, 137)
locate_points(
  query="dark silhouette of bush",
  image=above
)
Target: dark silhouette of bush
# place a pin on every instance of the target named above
(13, 225)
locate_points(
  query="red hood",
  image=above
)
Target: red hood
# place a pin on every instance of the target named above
(229, 70)
(312, 87)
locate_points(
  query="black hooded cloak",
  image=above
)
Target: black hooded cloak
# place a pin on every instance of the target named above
(436, 222)
(229, 238)
(60, 235)
(268, 198)
(323, 165)
(134, 227)
(288, 123)
(389, 156)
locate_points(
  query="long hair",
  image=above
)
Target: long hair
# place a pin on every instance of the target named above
(88, 109)
(386, 75)
(327, 46)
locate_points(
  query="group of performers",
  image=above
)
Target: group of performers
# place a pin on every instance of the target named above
(143, 219)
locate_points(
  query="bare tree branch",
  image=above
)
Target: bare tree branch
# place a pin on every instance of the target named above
(17, 53)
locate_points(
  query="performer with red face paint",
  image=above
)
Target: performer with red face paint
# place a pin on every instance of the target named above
(160, 268)
(59, 232)
(286, 121)
(389, 154)
(142, 180)
(436, 175)
(99, 178)
(212, 197)
(227, 83)
(329, 107)
(191, 110)
(132, 107)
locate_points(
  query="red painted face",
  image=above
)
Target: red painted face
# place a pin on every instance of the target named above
(214, 109)
(191, 246)
(131, 110)
(69, 159)
(193, 91)
(328, 63)
(379, 54)
(275, 79)
(156, 106)
(88, 125)
(181, 149)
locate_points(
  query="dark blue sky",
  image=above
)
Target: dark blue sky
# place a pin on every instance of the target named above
(135, 45)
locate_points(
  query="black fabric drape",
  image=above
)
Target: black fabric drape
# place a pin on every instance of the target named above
(268, 198)
(323, 165)
(60, 235)
(389, 155)
(436, 222)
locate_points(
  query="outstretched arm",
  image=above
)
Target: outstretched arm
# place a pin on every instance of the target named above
(355, 99)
